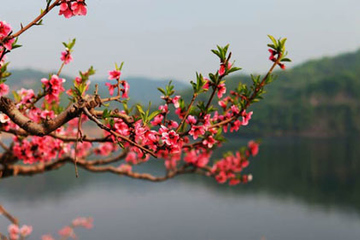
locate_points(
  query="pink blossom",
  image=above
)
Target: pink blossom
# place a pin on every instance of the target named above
(111, 87)
(170, 137)
(78, 80)
(105, 149)
(13, 231)
(115, 74)
(197, 157)
(253, 147)
(221, 90)
(173, 124)
(4, 89)
(53, 88)
(223, 103)
(47, 237)
(195, 131)
(235, 126)
(221, 177)
(206, 85)
(175, 101)
(79, 8)
(83, 222)
(235, 109)
(46, 114)
(132, 158)
(65, 9)
(223, 69)
(4, 57)
(191, 120)
(5, 29)
(72, 8)
(66, 56)
(8, 43)
(25, 230)
(67, 232)
(209, 142)
(125, 90)
(157, 120)
(25, 95)
(170, 163)
(246, 178)
(82, 149)
(121, 127)
(246, 117)
(164, 108)
(272, 55)
(234, 181)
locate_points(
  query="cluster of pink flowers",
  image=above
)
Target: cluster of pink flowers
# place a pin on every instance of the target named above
(15, 232)
(68, 231)
(25, 96)
(6, 43)
(198, 157)
(53, 88)
(115, 75)
(105, 149)
(70, 8)
(83, 222)
(5, 30)
(228, 168)
(38, 149)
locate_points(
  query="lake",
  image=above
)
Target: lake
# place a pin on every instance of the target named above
(302, 189)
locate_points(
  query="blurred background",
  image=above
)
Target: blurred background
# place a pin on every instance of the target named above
(306, 178)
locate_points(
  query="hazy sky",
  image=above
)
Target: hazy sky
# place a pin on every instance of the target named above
(172, 39)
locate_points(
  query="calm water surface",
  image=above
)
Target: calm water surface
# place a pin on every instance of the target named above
(302, 189)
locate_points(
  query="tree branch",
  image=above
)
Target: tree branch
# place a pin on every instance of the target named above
(9, 108)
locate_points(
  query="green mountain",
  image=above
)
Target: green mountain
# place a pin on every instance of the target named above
(320, 97)
(317, 98)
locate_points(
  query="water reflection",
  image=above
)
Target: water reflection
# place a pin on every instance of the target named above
(319, 171)
(313, 184)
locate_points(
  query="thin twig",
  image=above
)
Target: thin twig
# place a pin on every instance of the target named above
(102, 126)
(187, 112)
(36, 20)
(8, 215)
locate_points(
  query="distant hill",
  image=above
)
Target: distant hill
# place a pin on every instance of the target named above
(320, 97)
(142, 89)
(317, 98)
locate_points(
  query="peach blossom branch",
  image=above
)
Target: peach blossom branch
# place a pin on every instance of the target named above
(36, 20)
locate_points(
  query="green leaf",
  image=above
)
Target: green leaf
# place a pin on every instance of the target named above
(106, 113)
(234, 69)
(153, 114)
(273, 40)
(271, 46)
(16, 46)
(140, 109)
(72, 43)
(161, 90)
